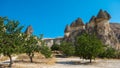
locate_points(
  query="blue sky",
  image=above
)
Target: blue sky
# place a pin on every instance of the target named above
(49, 17)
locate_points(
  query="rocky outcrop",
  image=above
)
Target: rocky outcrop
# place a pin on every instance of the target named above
(51, 41)
(116, 29)
(98, 24)
(104, 31)
(29, 30)
(73, 30)
(103, 15)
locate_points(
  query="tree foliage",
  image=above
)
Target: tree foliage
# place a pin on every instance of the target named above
(31, 46)
(67, 48)
(13, 41)
(109, 52)
(10, 39)
(88, 46)
(46, 51)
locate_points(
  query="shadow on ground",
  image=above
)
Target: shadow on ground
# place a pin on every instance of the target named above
(75, 63)
(24, 61)
(72, 62)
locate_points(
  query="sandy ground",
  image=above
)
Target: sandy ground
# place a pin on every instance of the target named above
(73, 63)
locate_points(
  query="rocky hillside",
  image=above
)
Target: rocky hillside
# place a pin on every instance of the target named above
(108, 33)
(116, 28)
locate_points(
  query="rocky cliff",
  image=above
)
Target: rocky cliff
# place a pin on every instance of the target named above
(116, 29)
(106, 32)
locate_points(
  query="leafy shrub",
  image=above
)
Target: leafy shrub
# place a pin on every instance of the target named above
(67, 48)
(117, 54)
(109, 52)
(55, 47)
(46, 51)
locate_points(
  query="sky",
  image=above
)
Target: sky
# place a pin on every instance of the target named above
(49, 17)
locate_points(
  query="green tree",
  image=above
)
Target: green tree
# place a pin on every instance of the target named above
(67, 48)
(31, 47)
(46, 51)
(11, 39)
(88, 46)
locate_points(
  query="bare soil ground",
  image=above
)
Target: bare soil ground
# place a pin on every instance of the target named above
(71, 63)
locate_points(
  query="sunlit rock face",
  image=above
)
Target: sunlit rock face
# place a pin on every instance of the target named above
(67, 31)
(29, 30)
(104, 31)
(73, 30)
(99, 25)
(116, 29)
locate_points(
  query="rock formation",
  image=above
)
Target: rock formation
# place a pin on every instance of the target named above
(103, 30)
(73, 30)
(98, 24)
(29, 30)
(116, 29)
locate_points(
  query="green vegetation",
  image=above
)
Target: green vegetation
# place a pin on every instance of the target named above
(31, 47)
(108, 52)
(55, 47)
(88, 46)
(10, 38)
(46, 51)
(67, 48)
(13, 41)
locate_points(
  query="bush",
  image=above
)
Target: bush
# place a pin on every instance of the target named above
(45, 50)
(55, 47)
(117, 54)
(67, 48)
(109, 52)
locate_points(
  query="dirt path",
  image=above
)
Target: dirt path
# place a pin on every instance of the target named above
(78, 63)
(74, 63)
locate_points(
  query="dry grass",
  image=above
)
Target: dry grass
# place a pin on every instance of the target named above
(23, 61)
(3, 58)
(36, 56)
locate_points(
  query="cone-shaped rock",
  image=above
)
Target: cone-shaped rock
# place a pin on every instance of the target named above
(29, 30)
(103, 14)
(108, 15)
(79, 22)
(92, 19)
(67, 29)
(72, 24)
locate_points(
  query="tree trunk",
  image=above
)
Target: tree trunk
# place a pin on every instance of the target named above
(31, 60)
(90, 60)
(11, 62)
(31, 55)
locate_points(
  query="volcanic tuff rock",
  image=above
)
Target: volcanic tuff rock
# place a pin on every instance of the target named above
(72, 31)
(116, 29)
(29, 30)
(99, 25)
